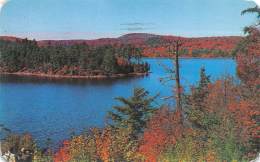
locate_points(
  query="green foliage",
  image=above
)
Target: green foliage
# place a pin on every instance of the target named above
(199, 52)
(255, 10)
(129, 52)
(204, 80)
(226, 144)
(82, 148)
(109, 63)
(195, 103)
(185, 150)
(78, 59)
(134, 112)
(183, 52)
(205, 51)
(123, 146)
(220, 53)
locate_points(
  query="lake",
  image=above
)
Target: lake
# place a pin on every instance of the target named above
(54, 109)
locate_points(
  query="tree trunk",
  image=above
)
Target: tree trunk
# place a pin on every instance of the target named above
(178, 85)
(0, 148)
(178, 90)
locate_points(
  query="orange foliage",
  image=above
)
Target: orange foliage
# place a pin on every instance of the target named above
(103, 142)
(248, 59)
(122, 61)
(163, 129)
(225, 44)
(63, 154)
(244, 113)
(229, 100)
(211, 156)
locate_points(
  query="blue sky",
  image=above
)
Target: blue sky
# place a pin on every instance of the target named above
(90, 19)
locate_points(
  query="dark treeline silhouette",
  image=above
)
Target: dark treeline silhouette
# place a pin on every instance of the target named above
(79, 59)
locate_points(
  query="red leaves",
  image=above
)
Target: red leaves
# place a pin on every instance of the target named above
(164, 129)
(63, 154)
(122, 61)
(244, 113)
(225, 44)
(153, 144)
(248, 59)
(103, 143)
(236, 103)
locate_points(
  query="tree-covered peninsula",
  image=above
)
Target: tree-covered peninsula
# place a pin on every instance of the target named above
(27, 57)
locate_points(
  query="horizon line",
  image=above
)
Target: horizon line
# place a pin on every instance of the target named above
(116, 37)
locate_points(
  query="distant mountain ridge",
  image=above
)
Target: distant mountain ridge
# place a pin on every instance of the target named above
(127, 39)
(151, 43)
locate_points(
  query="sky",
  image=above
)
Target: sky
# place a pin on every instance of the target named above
(91, 19)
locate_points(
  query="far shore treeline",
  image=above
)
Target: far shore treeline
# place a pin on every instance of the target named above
(107, 57)
(26, 56)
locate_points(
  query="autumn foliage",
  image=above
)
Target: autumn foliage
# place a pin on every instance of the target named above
(164, 129)
(63, 154)
(221, 124)
(248, 58)
(219, 120)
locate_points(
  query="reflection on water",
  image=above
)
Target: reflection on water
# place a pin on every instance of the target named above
(9, 78)
(54, 108)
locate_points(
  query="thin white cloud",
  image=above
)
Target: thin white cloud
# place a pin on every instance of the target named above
(256, 2)
(2, 3)
(137, 26)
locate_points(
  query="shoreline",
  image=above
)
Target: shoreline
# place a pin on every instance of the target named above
(56, 76)
(188, 57)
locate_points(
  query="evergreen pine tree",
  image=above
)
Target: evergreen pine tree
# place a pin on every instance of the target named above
(195, 103)
(204, 80)
(134, 112)
(109, 63)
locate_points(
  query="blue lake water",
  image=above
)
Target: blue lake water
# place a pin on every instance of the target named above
(56, 108)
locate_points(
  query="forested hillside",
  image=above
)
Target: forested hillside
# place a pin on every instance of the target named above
(208, 47)
(156, 45)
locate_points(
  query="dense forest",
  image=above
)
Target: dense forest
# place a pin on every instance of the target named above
(219, 120)
(79, 60)
(156, 45)
(211, 47)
